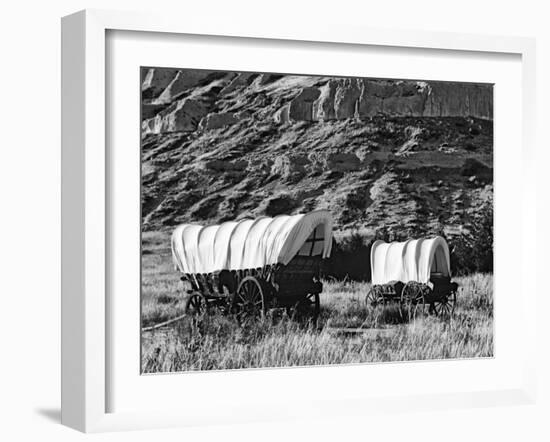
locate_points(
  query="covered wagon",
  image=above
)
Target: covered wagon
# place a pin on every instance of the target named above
(416, 273)
(248, 266)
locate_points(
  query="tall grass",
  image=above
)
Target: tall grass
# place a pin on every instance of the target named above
(217, 342)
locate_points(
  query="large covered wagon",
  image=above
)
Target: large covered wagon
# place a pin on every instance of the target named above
(248, 266)
(415, 273)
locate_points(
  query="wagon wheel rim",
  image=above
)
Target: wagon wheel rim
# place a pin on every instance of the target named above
(196, 305)
(445, 307)
(375, 298)
(249, 298)
(372, 299)
(406, 295)
(412, 297)
(421, 304)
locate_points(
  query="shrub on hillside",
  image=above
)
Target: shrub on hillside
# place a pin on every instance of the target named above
(473, 251)
(350, 258)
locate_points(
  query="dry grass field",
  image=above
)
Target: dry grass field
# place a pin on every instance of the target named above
(347, 331)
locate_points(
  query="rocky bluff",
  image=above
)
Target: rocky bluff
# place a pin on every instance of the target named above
(188, 100)
(412, 157)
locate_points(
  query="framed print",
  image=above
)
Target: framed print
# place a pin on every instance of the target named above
(251, 213)
(278, 197)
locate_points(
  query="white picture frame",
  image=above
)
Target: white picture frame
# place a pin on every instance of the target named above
(85, 310)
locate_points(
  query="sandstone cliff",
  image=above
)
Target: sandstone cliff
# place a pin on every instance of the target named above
(295, 98)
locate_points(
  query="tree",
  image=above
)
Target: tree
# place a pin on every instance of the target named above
(473, 250)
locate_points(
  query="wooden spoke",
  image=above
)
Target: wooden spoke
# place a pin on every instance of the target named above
(375, 297)
(196, 304)
(249, 301)
(444, 307)
(413, 300)
(371, 300)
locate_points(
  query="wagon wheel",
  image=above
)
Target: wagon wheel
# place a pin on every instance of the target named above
(445, 306)
(196, 304)
(374, 298)
(412, 298)
(249, 300)
(310, 304)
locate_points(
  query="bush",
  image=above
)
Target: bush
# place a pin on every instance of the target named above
(473, 251)
(350, 258)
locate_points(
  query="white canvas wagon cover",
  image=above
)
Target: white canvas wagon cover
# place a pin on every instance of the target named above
(412, 260)
(251, 243)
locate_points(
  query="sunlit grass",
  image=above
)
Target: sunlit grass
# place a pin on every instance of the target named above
(217, 342)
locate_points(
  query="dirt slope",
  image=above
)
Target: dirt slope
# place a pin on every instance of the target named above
(407, 157)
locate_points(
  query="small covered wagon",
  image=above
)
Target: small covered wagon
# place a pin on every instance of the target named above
(246, 267)
(415, 273)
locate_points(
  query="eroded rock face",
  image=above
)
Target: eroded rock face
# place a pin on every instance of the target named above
(183, 92)
(282, 116)
(463, 99)
(376, 153)
(183, 116)
(343, 162)
(226, 165)
(362, 98)
(345, 98)
(254, 170)
(301, 107)
(156, 80)
(396, 98)
(278, 205)
(164, 85)
(216, 121)
(150, 110)
(268, 78)
(242, 79)
(291, 168)
(323, 107)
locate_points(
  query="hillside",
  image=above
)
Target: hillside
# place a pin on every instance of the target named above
(404, 157)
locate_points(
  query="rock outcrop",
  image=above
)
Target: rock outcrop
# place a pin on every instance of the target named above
(345, 98)
(363, 98)
(241, 80)
(155, 81)
(409, 156)
(164, 85)
(291, 168)
(183, 116)
(343, 162)
(459, 99)
(299, 108)
(216, 121)
(309, 99)
(323, 108)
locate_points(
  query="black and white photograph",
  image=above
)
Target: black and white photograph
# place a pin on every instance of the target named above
(301, 221)
(298, 220)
